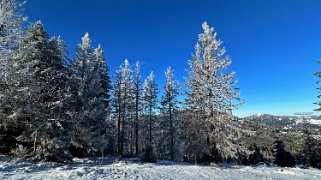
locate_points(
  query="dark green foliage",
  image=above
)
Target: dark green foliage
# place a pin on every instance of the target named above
(257, 156)
(282, 157)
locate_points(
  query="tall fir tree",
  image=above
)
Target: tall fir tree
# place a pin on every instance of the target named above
(117, 101)
(149, 96)
(11, 32)
(35, 97)
(123, 101)
(211, 95)
(170, 104)
(137, 96)
(11, 19)
(90, 111)
(104, 76)
(318, 75)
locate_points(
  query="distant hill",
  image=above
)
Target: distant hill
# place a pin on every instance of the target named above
(283, 122)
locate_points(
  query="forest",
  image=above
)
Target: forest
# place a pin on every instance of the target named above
(55, 106)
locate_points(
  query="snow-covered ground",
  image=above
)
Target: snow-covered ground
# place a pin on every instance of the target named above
(111, 169)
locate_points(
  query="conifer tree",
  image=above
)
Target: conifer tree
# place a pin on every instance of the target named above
(90, 110)
(170, 104)
(137, 94)
(123, 102)
(318, 75)
(149, 96)
(104, 76)
(117, 104)
(11, 33)
(35, 96)
(211, 95)
(126, 88)
(10, 24)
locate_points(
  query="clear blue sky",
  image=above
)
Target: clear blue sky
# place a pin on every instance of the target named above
(274, 44)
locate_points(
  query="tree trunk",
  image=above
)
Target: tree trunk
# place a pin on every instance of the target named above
(119, 121)
(136, 119)
(171, 132)
(150, 127)
(123, 123)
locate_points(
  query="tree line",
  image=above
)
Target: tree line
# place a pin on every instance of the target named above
(53, 108)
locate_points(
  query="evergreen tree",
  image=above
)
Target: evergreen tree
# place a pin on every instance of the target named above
(137, 94)
(282, 157)
(104, 76)
(105, 85)
(90, 110)
(117, 104)
(10, 25)
(149, 96)
(169, 104)
(34, 96)
(123, 103)
(211, 94)
(318, 75)
(126, 89)
(308, 150)
(11, 33)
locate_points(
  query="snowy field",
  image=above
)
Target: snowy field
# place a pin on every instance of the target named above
(111, 169)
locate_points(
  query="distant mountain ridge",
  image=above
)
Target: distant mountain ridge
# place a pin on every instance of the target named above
(282, 122)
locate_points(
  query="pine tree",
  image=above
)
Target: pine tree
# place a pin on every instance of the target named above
(282, 157)
(211, 94)
(10, 24)
(137, 94)
(28, 94)
(105, 85)
(318, 75)
(34, 95)
(90, 110)
(149, 96)
(170, 104)
(123, 104)
(308, 150)
(126, 87)
(117, 101)
(104, 76)
(11, 33)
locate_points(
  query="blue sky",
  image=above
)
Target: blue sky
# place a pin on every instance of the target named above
(274, 44)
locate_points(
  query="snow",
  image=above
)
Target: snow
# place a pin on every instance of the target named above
(129, 169)
(311, 121)
(315, 121)
(260, 114)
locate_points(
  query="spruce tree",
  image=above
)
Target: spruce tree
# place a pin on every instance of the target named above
(104, 76)
(117, 106)
(90, 111)
(123, 104)
(149, 103)
(11, 32)
(149, 96)
(35, 96)
(137, 94)
(11, 19)
(211, 95)
(170, 104)
(318, 75)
